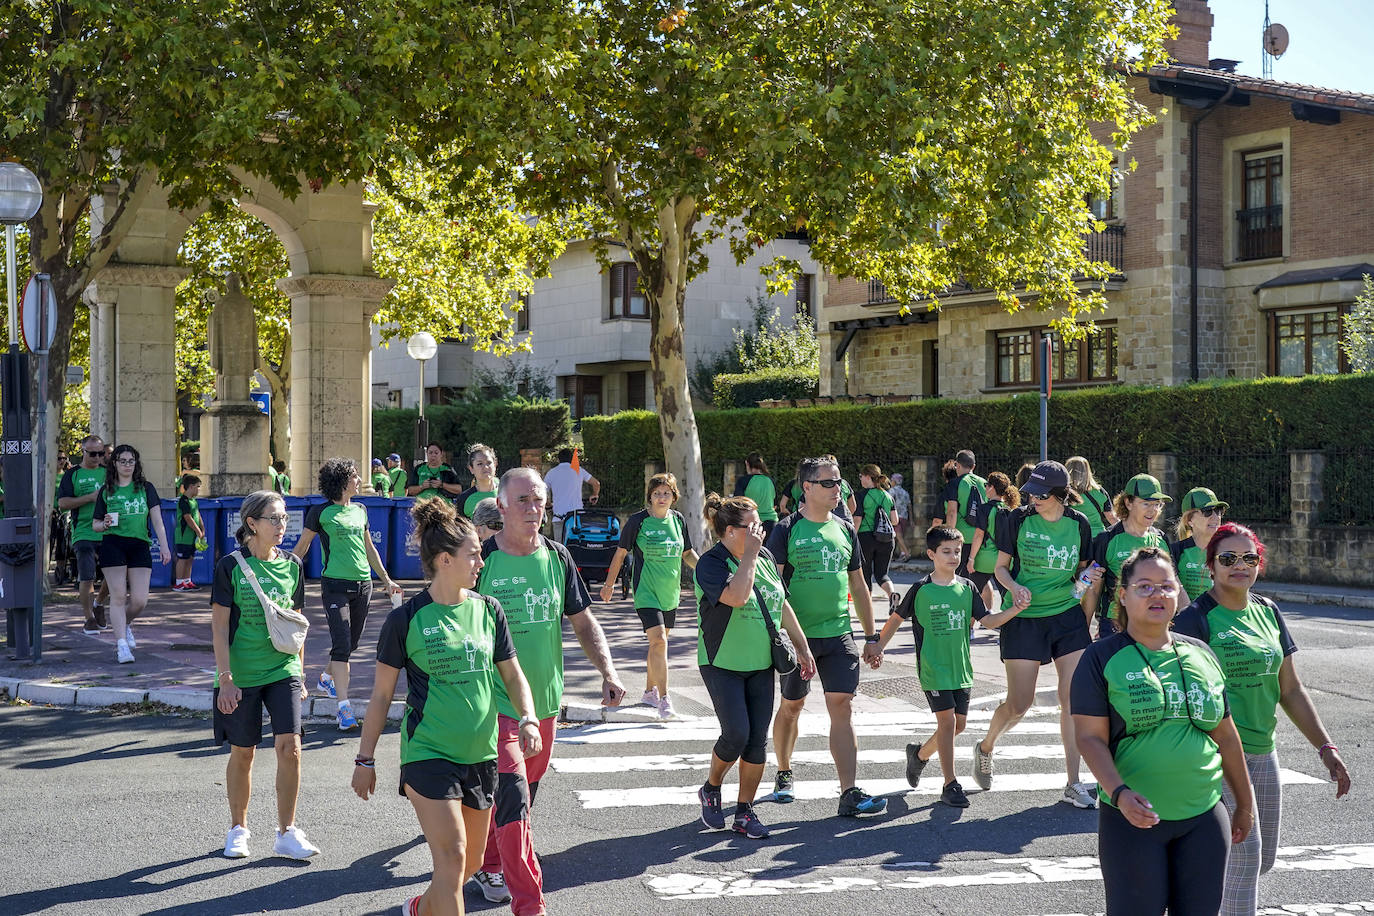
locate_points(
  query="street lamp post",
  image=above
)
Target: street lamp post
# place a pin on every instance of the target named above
(421, 347)
(21, 540)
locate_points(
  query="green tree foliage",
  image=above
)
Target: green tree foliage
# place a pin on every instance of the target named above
(746, 389)
(767, 344)
(1358, 340)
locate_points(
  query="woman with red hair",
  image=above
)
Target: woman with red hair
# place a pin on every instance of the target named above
(1251, 640)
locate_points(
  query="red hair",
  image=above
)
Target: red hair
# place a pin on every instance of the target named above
(1233, 529)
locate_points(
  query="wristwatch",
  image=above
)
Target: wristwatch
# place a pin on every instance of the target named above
(874, 638)
(528, 720)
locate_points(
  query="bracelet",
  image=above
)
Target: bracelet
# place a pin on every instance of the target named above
(1328, 746)
(1116, 793)
(528, 720)
(876, 637)
(361, 761)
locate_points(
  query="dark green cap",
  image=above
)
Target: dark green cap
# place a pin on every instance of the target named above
(1143, 486)
(1202, 498)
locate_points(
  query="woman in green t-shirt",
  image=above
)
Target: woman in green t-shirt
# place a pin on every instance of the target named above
(381, 481)
(659, 539)
(737, 582)
(125, 507)
(758, 486)
(1096, 505)
(350, 558)
(253, 675)
(1252, 644)
(1138, 507)
(456, 650)
(1202, 515)
(877, 521)
(482, 467)
(1151, 717)
(982, 563)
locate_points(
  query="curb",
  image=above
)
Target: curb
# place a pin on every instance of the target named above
(1299, 596)
(196, 699)
(583, 713)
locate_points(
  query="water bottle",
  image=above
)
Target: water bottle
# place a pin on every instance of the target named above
(1084, 580)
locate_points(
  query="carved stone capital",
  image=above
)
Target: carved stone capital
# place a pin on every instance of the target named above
(368, 288)
(161, 275)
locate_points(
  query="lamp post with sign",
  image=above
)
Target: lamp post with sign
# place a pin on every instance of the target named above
(20, 535)
(421, 347)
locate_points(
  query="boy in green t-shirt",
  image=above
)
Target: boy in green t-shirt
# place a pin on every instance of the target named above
(190, 532)
(942, 608)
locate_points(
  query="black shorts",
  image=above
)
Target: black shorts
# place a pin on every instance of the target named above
(474, 784)
(117, 550)
(837, 666)
(243, 726)
(957, 700)
(345, 609)
(964, 553)
(980, 580)
(185, 551)
(87, 560)
(652, 617)
(1043, 639)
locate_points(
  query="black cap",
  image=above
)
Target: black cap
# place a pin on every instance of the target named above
(1047, 476)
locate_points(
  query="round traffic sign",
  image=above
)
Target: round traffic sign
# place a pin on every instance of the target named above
(38, 314)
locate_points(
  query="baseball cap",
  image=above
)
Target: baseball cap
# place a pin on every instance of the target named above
(1047, 476)
(393, 457)
(1202, 498)
(376, 462)
(1143, 486)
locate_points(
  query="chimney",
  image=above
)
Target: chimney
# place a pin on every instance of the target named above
(1194, 22)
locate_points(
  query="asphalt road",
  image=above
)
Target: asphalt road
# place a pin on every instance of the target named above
(116, 814)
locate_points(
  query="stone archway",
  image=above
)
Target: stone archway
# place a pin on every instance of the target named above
(334, 294)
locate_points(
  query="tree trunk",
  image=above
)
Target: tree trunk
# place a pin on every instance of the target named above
(665, 280)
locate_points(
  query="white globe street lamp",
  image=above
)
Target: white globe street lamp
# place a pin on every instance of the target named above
(20, 197)
(421, 347)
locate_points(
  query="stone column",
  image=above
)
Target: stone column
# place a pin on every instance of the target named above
(1163, 467)
(1305, 505)
(101, 386)
(331, 384)
(650, 469)
(925, 490)
(732, 470)
(831, 371)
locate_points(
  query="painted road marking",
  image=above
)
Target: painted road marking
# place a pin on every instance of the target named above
(963, 873)
(657, 762)
(809, 790)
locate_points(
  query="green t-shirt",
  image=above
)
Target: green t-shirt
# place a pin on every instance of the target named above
(1045, 556)
(537, 591)
(1191, 562)
(398, 482)
(1160, 706)
(185, 534)
(1111, 549)
(467, 500)
(79, 481)
(423, 472)
(343, 535)
(449, 654)
(1094, 506)
(657, 545)
(876, 500)
(1251, 645)
(985, 560)
(736, 638)
(964, 489)
(815, 559)
(941, 617)
(381, 483)
(131, 501)
(253, 660)
(759, 488)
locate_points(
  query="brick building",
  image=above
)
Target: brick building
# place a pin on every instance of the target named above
(1255, 282)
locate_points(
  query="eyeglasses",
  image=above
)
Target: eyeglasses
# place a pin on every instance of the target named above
(126, 460)
(1150, 589)
(1231, 559)
(1211, 511)
(274, 519)
(829, 483)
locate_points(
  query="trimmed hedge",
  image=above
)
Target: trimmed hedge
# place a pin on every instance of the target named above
(746, 389)
(505, 425)
(1114, 427)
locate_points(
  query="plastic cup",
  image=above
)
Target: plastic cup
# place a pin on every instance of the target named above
(397, 598)
(114, 519)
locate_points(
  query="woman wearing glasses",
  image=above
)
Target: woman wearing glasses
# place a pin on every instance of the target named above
(1202, 514)
(252, 675)
(1251, 641)
(1137, 506)
(124, 508)
(1151, 716)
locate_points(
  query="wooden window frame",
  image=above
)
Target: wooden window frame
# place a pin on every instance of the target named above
(805, 294)
(1342, 310)
(522, 316)
(620, 299)
(1084, 348)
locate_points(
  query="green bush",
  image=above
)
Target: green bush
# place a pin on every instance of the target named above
(507, 425)
(188, 446)
(746, 389)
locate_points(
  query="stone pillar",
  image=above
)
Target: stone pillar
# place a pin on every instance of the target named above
(650, 469)
(331, 385)
(234, 440)
(732, 470)
(925, 487)
(101, 387)
(1163, 467)
(142, 370)
(1305, 485)
(831, 370)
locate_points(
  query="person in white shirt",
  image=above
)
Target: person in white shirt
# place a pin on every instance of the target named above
(565, 484)
(901, 501)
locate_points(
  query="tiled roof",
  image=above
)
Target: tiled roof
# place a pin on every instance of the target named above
(1297, 92)
(1318, 275)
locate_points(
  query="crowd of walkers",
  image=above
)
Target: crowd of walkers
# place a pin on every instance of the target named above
(1170, 668)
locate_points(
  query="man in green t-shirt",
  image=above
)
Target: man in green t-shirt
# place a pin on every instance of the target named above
(397, 474)
(76, 494)
(962, 498)
(821, 562)
(187, 530)
(538, 585)
(433, 478)
(281, 481)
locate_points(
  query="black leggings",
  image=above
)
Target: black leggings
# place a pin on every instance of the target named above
(345, 608)
(1178, 865)
(744, 706)
(877, 554)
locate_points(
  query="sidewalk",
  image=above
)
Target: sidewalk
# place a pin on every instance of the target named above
(175, 662)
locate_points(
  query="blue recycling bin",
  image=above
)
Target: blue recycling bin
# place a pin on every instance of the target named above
(404, 560)
(296, 508)
(226, 525)
(379, 521)
(203, 567)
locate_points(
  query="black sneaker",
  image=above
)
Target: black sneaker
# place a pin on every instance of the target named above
(914, 764)
(855, 801)
(102, 619)
(782, 788)
(711, 814)
(954, 795)
(90, 626)
(749, 825)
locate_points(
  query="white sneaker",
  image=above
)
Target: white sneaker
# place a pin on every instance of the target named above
(492, 884)
(122, 653)
(650, 697)
(1080, 795)
(665, 708)
(129, 637)
(292, 843)
(236, 843)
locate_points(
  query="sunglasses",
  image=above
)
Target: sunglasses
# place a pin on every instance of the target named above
(1231, 559)
(829, 483)
(1150, 589)
(1211, 511)
(99, 454)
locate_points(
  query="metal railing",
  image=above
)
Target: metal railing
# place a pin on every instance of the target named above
(1108, 245)
(1347, 497)
(1261, 232)
(1257, 485)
